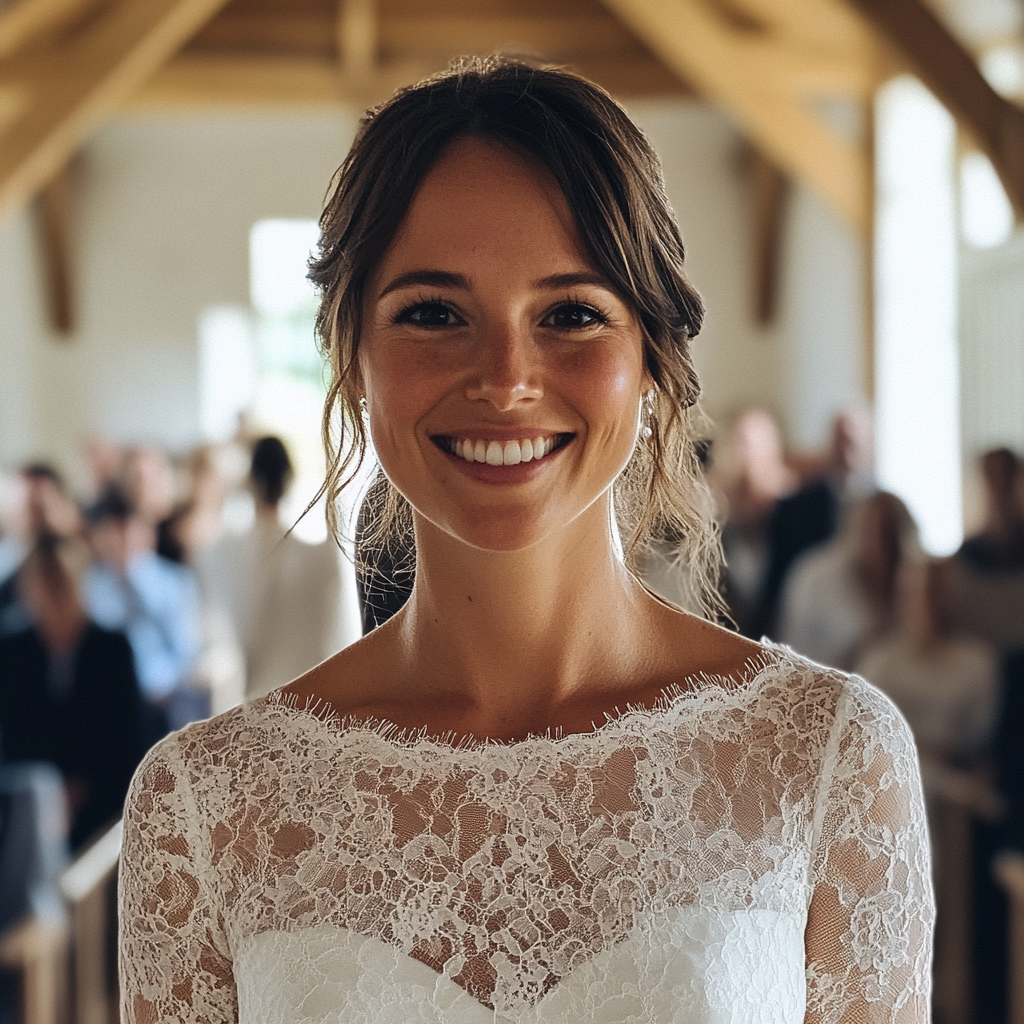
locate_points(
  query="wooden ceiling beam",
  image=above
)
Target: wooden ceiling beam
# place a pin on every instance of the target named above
(71, 87)
(797, 66)
(24, 21)
(205, 79)
(951, 73)
(710, 54)
(401, 34)
(221, 80)
(817, 22)
(357, 38)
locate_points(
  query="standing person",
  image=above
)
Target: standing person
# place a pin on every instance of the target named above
(813, 514)
(68, 691)
(986, 576)
(752, 477)
(283, 596)
(537, 793)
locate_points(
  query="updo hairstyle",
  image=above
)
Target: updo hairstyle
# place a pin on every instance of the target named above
(612, 182)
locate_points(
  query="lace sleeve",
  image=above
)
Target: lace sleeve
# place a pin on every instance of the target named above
(175, 964)
(869, 925)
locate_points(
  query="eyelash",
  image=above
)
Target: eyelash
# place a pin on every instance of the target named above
(599, 315)
(405, 314)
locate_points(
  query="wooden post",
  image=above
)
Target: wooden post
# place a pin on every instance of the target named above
(38, 949)
(54, 212)
(1009, 871)
(769, 187)
(84, 886)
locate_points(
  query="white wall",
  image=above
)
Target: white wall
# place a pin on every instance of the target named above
(809, 364)
(163, 207)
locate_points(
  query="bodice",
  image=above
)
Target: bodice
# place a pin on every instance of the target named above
(740, 852)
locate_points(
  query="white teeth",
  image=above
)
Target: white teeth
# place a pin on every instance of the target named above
(507, 453)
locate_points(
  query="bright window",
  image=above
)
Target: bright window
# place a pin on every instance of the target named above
(917, 386)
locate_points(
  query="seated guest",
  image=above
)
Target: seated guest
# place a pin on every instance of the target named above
(841, 596)
(153, 600)
(986, 576)
(46, 509)
(946, 685)
(68, 691)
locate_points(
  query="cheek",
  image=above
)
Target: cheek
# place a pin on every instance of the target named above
(608, 384)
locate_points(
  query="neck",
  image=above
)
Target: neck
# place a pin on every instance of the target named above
(503, 633)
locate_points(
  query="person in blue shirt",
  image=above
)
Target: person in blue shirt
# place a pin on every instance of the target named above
(153, 600)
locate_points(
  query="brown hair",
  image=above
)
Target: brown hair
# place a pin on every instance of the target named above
(612, 182)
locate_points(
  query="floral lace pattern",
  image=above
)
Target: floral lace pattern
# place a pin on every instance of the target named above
(734, 846)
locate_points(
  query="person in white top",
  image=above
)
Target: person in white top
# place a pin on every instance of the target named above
(841, 595)
(537, 793)
(283, 596)
(946, 684)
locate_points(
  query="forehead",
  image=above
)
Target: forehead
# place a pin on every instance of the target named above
(481, 201)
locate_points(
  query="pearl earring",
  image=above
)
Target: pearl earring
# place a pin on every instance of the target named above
(648, 415)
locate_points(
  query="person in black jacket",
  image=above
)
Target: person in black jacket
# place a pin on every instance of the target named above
(68, 691)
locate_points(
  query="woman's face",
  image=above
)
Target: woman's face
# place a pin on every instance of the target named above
(503, 374)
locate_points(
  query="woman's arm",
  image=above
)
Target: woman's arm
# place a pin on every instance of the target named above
(869, 927)
(175, 963)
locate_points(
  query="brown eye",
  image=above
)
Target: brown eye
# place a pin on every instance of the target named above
(429, 314)
(574, 316)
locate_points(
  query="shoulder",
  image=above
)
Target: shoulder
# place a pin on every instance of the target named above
(223, 761)
(831, 703)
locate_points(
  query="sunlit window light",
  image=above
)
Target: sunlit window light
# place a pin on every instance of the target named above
(228, 370)
(1003, 67)
(278, 253)
(986, 216)
(917, 365)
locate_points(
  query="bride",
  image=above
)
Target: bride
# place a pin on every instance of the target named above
(538, 793)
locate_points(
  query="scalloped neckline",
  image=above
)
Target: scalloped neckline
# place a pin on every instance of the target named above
(671, 698)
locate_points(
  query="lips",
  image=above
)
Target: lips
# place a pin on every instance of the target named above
(502, 453)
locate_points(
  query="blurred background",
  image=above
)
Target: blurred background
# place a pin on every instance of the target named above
(849, 179)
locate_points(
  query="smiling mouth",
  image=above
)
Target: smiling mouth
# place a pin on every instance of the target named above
(502, 453)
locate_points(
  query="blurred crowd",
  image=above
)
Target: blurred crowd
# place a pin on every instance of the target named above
(167, 590)
(170, 589)
(820, 559)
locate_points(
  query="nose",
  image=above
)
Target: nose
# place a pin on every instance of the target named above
(507, 370)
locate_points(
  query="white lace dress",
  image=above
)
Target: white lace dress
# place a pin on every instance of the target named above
(743, 854)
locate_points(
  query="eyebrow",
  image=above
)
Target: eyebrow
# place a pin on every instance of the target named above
(556, 281)
(447, 279)
(429, 278)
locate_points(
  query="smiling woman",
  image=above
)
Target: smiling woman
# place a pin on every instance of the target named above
(538, 793)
